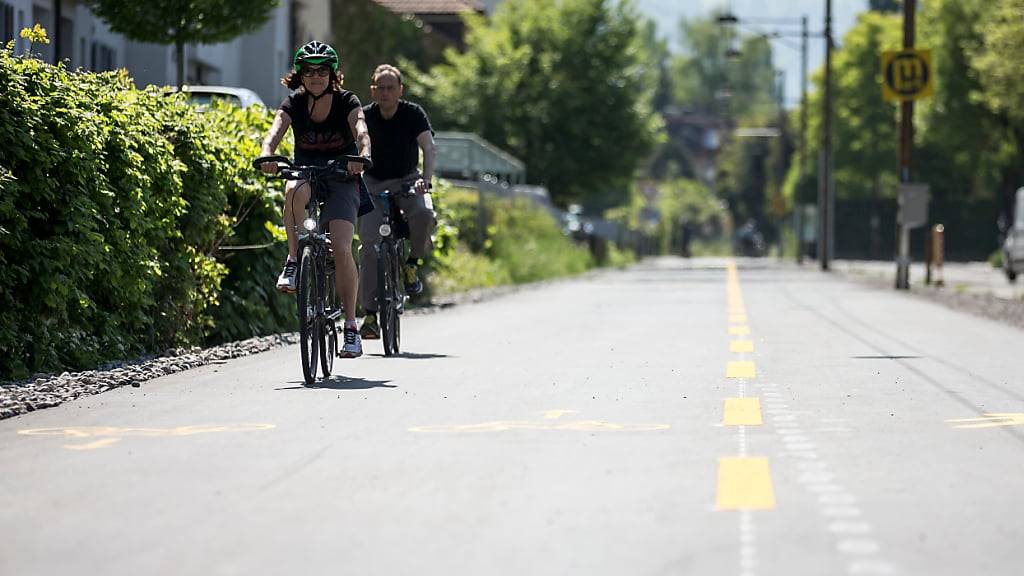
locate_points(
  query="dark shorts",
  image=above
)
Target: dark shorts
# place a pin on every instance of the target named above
(342, 202)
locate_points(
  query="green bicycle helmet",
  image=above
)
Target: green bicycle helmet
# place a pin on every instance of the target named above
(315, 52)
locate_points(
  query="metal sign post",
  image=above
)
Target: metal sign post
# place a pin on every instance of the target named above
(913, 213)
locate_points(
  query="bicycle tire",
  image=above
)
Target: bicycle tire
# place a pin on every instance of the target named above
(384, 307)
(329, 329)
(308, 325)
(395, 318)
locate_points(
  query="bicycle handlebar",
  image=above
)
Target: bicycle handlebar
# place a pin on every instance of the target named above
(291, 171)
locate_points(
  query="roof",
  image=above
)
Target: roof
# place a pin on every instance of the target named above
(431, 6)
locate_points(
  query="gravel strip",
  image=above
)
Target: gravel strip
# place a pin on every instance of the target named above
(987, 305)
(49, 390)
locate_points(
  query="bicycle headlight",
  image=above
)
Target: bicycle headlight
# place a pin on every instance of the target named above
(309, 224)
(385, 230)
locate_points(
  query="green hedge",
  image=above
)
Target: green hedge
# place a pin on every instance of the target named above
(115, 205)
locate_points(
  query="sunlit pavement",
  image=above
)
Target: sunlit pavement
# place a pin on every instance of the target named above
(683, 417)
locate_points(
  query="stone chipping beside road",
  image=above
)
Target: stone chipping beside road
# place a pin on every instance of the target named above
(52, 390)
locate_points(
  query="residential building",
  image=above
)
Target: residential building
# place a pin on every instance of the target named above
(256, 60)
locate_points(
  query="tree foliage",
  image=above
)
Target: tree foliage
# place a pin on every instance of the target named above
(181, 22)
(566, 86)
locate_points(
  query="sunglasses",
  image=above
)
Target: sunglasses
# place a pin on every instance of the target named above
(320, 71)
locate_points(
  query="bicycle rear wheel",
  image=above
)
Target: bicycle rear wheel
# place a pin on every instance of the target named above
(309, 326)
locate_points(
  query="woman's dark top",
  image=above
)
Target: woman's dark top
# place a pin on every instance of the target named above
(318, 142)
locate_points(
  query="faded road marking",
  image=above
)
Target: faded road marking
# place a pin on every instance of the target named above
(739, 330)
(990, 420)
(740, 369)
(93, 445)
(556, 414)
(745, 484)
(737, 318)
(742, 412)
(111, 434)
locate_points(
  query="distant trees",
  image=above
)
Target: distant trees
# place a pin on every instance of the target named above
(566, 86)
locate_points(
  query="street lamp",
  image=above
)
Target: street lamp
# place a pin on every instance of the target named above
(825, 200)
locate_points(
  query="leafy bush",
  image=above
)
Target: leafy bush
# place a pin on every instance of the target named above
(113, 207)
(520, 242)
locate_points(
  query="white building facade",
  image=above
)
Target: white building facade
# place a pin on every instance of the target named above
(255, 61)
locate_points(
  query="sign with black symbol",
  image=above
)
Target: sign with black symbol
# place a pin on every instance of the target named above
(907, 75)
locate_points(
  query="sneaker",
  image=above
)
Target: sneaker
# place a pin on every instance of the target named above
(286, 281)
(413, 286)
(353, 347)
(370, 329)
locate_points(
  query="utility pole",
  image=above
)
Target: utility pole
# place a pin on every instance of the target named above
(906, 149)
(825, 200)
(803, 132)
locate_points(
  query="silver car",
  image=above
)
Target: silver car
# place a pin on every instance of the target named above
(1013, 247)
(242, 97)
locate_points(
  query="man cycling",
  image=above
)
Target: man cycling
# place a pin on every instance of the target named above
(327, 121)
(399, 130)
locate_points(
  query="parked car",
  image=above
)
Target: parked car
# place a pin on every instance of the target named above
(203, 95)
(1013, 246)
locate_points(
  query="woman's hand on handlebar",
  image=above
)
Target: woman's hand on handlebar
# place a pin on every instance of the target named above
(355, 168)
(269, 167)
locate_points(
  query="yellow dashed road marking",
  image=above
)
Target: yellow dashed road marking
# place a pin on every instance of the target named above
(740, 369)
(745, 484)
(741, 346)
(737, 318)
(742, 412)
(556, 414)
(739, 330)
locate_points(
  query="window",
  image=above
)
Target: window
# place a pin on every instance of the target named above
(7, 31)
(103, 58)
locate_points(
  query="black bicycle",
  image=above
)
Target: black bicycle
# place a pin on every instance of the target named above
(319, 307)
(391, 252)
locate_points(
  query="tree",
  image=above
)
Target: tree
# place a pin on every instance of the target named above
(181, 22)
(566, 86)
(997, 61)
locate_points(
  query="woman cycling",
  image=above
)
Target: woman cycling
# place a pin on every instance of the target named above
(327, 121)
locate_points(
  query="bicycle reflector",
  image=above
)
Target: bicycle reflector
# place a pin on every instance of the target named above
(309, 224)
(385, 230)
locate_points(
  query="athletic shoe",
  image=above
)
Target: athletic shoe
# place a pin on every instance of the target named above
(413, 286)
(370, 329)
(286, 281)
(353, 347)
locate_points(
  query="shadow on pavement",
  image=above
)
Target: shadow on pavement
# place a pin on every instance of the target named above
(883, 357)
(411, 356)
(338, 382)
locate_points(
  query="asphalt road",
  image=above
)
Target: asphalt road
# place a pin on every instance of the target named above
(677, 418)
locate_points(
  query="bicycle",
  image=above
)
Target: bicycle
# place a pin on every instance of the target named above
(391, 253)
(317, 299)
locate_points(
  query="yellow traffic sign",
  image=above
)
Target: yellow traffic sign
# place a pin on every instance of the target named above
(907, 75)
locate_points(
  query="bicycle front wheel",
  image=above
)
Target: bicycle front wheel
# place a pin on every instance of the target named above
(329, 327)
(309, 337)
(385, 307)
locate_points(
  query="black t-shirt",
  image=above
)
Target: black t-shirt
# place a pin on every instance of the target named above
(316, 142)
(395, 151)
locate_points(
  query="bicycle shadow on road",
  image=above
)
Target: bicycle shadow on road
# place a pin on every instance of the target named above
(411, 356)
(340, 382)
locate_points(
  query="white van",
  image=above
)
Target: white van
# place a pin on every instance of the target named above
(1013, 247)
